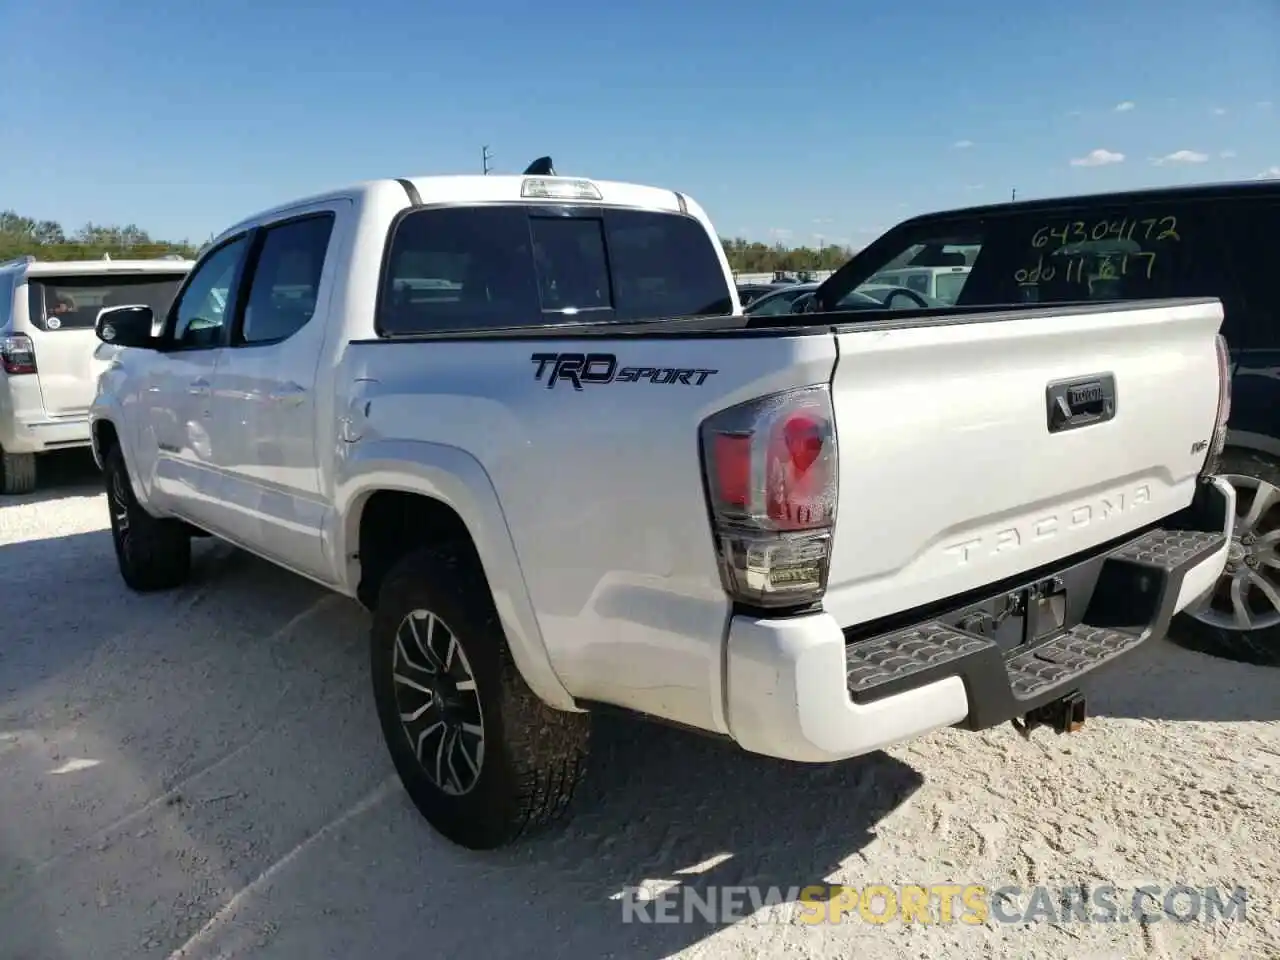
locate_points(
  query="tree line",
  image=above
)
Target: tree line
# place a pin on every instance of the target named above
(746, 256)
(49, 240)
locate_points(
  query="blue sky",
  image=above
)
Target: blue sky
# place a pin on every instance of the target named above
(787, 121)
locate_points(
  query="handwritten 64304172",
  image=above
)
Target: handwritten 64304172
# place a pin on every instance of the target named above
(1079, 252)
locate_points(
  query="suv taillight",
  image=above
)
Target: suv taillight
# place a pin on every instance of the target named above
(1219, 441)
(17, 355)
(771, 474)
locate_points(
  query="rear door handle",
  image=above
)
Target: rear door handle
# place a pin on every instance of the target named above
(289, 394)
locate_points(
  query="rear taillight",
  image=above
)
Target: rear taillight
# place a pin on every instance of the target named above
(771, 475)
(1219, 441)
(17, 355)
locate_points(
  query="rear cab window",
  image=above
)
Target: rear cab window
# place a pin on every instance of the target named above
(512, 265)
(72, 302)
(1105, 252)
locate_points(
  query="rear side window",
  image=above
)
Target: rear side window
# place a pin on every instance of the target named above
(1116, 252)
(467, 268)
(73, 302)
(286, 279)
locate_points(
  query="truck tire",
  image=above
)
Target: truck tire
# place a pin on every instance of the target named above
(153, 554)
(17, 472)
(481, 757)
(1252, 578)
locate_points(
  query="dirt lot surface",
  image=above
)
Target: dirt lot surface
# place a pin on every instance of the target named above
(200, 774)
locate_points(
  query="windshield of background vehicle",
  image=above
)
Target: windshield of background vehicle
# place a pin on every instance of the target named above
(461, 268)
(73, 302)
(1111, 252)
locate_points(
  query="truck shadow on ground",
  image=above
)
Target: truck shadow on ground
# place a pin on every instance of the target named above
(693, 820)
(1164, 681)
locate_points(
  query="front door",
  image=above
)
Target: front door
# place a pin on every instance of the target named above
(264, 397)
(178, 394)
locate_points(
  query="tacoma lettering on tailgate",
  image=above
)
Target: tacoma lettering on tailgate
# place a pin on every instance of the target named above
(1049, 525)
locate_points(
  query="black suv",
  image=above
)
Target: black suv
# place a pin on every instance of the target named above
(1219, 240)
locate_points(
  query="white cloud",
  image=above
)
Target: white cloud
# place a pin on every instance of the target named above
(1098, 158)
(1228, 155)
(1075, 113)
(1219, 111)
(1125, 106)
(1271, 173)
(1180, 156)
(1264, 104)
(779, 233)
(974, 186)
(963, 144)
(821, 220)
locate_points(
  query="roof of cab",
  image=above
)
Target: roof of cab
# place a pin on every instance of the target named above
(471, 188)
(1197, 191)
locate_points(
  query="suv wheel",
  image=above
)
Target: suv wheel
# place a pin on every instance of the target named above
(153, 554)
(481, 757)
(1240, 619)
(17, 472)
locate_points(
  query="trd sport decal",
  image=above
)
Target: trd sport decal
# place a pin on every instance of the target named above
(580, 368)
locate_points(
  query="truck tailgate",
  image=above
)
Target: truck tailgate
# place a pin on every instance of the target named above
(959, 465)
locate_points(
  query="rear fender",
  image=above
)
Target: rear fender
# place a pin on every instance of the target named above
(458, 480)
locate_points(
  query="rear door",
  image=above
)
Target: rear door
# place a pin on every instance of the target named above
(263, 402)
(62, 311)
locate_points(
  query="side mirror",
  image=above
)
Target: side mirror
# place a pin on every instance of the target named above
(126, 326)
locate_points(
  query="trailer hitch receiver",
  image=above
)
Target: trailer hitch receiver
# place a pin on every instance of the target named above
(1065, 715)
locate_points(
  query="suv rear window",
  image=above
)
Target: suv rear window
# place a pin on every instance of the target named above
(73, 302)
(467, 268)
(1111, 252)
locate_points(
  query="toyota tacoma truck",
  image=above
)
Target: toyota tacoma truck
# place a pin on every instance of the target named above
(525, 422)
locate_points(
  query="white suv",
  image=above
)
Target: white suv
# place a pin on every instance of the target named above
(942, 284)
(48, 372)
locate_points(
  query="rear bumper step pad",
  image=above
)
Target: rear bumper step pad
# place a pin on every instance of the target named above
(1124, 596)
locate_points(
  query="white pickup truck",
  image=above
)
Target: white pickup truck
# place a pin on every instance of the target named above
(524, 421)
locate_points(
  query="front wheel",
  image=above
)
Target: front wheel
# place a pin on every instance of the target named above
(1240, 618)
(153, 554)
(481, 757)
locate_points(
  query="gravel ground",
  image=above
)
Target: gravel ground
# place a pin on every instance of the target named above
(200, 775)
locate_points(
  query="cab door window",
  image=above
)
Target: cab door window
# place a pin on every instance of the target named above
(202, 315)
